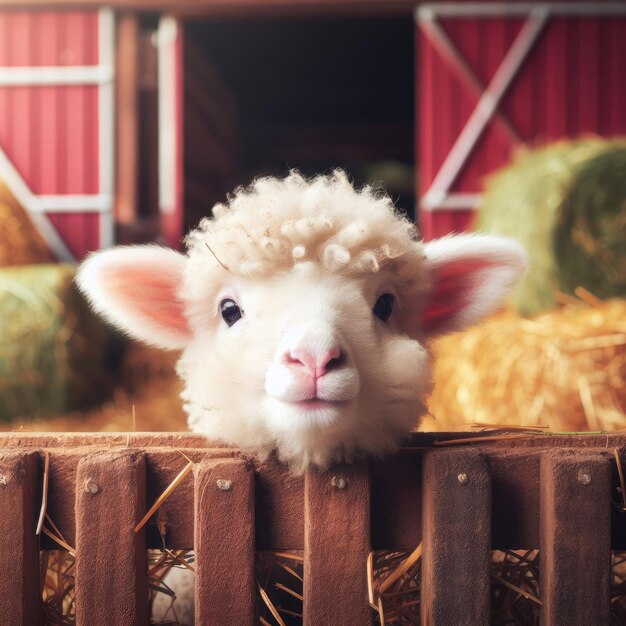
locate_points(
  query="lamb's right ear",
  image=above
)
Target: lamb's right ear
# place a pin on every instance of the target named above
(471, 276)
(136, 289)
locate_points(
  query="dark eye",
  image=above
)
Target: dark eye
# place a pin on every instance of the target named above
(231, 313)
(384, 307)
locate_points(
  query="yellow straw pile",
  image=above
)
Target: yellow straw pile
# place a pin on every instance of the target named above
(565, 369)
(20, 243)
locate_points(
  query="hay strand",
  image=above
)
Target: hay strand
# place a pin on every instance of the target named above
(291, 571)
(164, 496)
(515, 587)
(486, 426)
(468, 440)
(402, 569)
(522, 592)
(58, 540)
(44, 494)
(370, 579)
(270, 606)
(287, 555)
(281, 575)
(54, 527)
(394, 585)
(289, 591)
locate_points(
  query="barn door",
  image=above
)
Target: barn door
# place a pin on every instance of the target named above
(56, 124)
(493, 77)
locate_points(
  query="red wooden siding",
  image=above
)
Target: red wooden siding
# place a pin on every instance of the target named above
(48, 38)
(50, 132)
(570, 84)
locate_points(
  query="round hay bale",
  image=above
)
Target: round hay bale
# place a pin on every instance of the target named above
(566, 204)
(590, 232)
(52, 349)
(20, 242)
(565, 369)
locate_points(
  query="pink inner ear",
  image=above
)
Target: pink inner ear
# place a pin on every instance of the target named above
(453, 284)
(152, 298)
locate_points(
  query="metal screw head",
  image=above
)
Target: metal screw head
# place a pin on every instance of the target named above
(3, 479)
(223, 484)
(338, 483)
(584, 477)
(91, 486)
(462, 478)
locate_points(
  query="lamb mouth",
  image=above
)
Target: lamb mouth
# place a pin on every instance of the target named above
(318, 403)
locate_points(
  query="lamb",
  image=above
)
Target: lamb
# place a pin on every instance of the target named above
(303, 310)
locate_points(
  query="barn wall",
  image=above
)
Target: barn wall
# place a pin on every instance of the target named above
(50, 132)
(570, 84)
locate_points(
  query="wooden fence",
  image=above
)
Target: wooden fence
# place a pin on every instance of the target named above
(560, 494)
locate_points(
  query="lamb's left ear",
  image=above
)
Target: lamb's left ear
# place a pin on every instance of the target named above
(136, 289)
(471, 276)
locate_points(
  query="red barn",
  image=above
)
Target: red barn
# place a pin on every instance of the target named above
(128, 122)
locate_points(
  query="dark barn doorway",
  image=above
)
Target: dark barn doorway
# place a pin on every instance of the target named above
(266, 95)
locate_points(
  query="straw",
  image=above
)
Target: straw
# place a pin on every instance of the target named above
(44, 494)
(270, 606)
(60, 541)
(164, 496)
(402, 569)
(564, 368)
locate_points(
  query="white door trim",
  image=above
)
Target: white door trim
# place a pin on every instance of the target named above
(62, 75)
(106, 125)
(517, 9)
(166, 37)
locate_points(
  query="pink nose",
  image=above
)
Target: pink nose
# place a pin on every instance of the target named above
(316, 365)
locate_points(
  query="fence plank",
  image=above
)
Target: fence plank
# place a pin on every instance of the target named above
(575, 546)
(19, 571)
(111, 582)
(224, 543)
(336, 546)
(456, 538)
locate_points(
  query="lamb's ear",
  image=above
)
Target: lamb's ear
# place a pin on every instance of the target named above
(471, 276)
(136, 289)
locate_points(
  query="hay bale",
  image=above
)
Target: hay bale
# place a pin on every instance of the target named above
(565, 369)
(52, 350)
(20, 242)
(566, 204)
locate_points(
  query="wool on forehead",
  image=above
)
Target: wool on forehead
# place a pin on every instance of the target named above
(275, 223)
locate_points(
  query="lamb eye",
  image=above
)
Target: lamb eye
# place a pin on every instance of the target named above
(384, 307)
(231, 313)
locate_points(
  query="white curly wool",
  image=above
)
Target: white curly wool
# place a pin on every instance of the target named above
(335, 298)
(275, 223)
